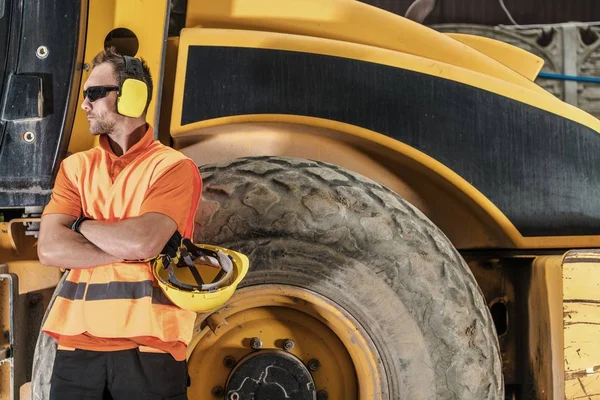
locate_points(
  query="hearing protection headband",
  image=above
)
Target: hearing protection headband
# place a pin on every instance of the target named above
(133, 66)
(185, 257)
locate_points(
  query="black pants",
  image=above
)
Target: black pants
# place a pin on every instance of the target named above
(117, 375)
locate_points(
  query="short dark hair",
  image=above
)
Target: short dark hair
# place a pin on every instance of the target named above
(110, 55)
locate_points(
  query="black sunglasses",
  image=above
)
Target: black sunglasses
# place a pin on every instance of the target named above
(94, 93)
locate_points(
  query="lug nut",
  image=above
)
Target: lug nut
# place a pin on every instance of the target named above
(217, 392)
(288, 344)
(229, 362)
(322, 395)
(256, 343)
(313, 364)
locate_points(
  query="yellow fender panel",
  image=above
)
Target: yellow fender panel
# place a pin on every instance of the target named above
(268, 40)
(521, 61)
(349, 21)
(277, 41)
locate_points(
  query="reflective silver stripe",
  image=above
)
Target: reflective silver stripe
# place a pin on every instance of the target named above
(158, 297)
(128, 291)
(72, 290)
(119, 290)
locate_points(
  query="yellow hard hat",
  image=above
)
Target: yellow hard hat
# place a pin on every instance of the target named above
(200, 277)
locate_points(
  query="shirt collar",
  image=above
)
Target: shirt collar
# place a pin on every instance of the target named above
(134, 151)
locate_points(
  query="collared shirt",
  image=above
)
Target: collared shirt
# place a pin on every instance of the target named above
(105, 187)
(98, 184)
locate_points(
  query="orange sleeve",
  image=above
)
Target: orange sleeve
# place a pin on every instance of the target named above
(65, 197)
(176, 194)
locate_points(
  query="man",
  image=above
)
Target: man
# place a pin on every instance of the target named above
(119, 337)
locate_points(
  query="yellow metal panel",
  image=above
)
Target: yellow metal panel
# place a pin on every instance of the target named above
(581, 313)
(433, 166)
(145, 18)
(548, 242)
(515, 58)
(19, 252)
(581, 287)
(4, 313)
(583, 388)
(26, 391)
(349, 21)
(582, 347)
(268, 40)
(251, 39)
(5, 389)
(582, 282)
(97, 29)
(467, 226)
(546, 327)
(233, 137)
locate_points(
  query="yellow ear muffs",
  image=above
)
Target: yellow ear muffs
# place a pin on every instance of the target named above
(132, 99)
(133, 93)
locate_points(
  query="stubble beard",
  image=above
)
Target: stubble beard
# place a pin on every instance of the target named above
(101, 126)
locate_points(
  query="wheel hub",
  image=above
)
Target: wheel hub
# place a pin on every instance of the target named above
(269, 375)
(311, 342)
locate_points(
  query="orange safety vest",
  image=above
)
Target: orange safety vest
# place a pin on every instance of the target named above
(121, 301)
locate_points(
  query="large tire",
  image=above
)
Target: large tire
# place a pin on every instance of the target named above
(321, 227)
(43, 357)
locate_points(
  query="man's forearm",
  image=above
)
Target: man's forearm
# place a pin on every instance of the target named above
(129, 239)
(71, 250)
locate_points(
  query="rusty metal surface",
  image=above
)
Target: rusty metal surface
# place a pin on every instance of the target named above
(502, 280)
(5, 372)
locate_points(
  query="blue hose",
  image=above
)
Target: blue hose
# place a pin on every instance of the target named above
(562, 77)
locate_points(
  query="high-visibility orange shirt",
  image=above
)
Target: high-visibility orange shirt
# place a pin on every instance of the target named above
(119, 306)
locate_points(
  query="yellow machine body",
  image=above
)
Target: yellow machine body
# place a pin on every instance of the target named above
(561, 298)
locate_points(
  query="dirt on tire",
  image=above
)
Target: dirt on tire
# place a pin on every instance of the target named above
(346, 237)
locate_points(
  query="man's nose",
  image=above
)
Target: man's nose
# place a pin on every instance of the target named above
(86, 105)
